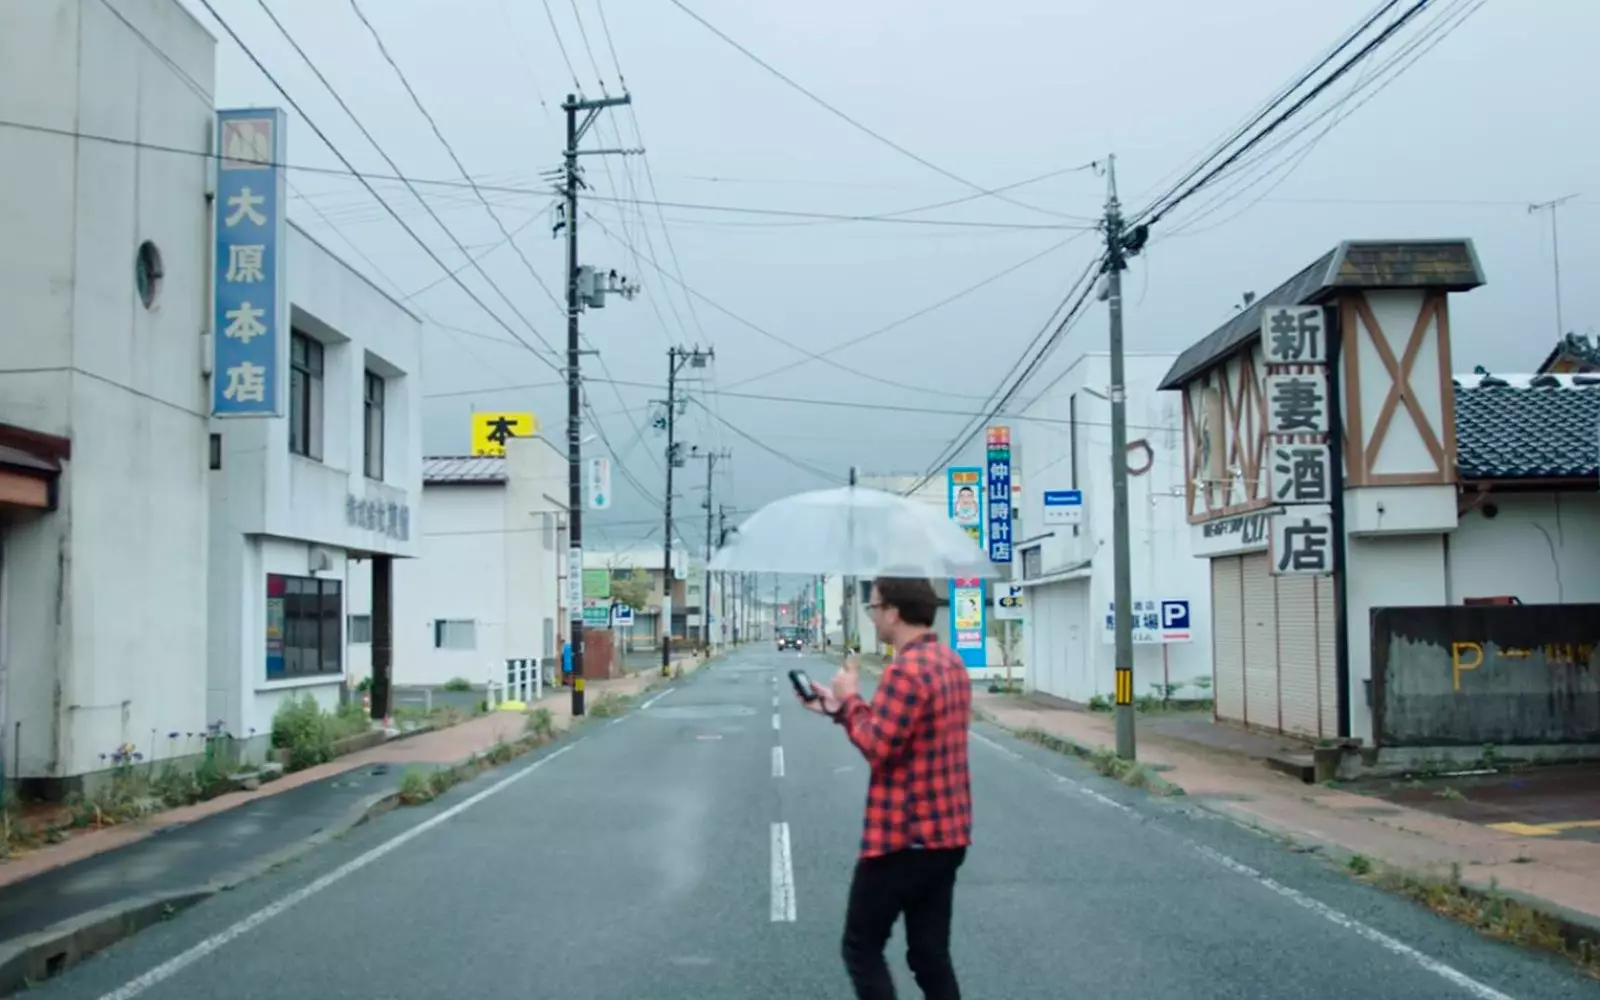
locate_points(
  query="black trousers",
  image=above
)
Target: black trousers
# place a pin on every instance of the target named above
(921, 884)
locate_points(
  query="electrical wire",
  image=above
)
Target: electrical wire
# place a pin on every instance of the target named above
(1151, 216)
(438, 133)
(775, 452)
(903, 151)
(343, 159)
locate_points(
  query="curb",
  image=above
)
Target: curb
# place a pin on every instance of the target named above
(45, 954)
(48, 953)
(1154, 783)
(1579, 931)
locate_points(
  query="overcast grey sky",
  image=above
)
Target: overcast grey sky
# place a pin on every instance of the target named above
(1489, 119)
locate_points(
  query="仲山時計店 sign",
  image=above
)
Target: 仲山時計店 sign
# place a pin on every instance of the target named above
(998, 469)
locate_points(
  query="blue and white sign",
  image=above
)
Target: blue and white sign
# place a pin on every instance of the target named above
(250, 342)
(998, 468)
(621, 616)
(1063, 507)
(1155, 622)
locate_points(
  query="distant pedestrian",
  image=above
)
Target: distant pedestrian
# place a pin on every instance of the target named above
(918, 820)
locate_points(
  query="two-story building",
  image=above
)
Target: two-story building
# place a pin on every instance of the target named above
(1064, 537)
(104, 281)
(488, 585)
(305, 501)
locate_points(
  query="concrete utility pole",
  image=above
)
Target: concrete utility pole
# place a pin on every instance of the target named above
(851, 595)
(581, 290)
(723, 579)
(1119, 246)
(1555, 251)
(677, 357)
(711, 458)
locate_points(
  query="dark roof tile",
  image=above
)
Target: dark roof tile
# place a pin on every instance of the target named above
(1508, 431)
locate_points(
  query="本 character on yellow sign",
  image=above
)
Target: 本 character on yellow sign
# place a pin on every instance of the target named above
(490, 431)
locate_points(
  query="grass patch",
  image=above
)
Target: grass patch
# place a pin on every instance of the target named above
(1102, 759)
(458, 684)
(607, 706)
(1489, 911)
(301, 727)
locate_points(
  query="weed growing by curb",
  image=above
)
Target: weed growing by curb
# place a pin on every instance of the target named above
(1129, 772)
(1489, 911)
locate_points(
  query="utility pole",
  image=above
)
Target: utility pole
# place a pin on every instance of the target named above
(581, 291)
(1555, 251)
(1120, 245)
(852, 594)
(723, 580)
(677, 358)
(711, 458)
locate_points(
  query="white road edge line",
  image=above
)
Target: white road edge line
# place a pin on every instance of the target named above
(777, 762)
(657, 698)
(177, 963)
(1481, 991)
(782, 876)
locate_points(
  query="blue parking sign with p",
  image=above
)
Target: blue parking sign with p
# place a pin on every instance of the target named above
(1175, 616)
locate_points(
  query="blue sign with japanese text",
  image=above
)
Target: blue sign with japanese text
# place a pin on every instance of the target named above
(998, 470)
(249, 300)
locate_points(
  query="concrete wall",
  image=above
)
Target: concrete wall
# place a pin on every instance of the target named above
(1502, 675)
(105, 630)
(1160, 540)
(491, 555)
(1539, 547)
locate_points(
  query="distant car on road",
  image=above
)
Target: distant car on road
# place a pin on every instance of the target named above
(790, 640)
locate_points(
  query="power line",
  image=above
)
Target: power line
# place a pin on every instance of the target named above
(1151, 216)
(893, 218)
(903, 151)
(1086, 283)
(462, 167)
(775, 452)
(752, 326)
(918, 314)
(343, 159)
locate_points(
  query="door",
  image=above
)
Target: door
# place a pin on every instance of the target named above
(1227, 637)
(1260, 642)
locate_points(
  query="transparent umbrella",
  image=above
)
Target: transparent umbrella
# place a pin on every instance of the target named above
(853, 531)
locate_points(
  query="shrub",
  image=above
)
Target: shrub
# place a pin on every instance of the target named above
(302, 728)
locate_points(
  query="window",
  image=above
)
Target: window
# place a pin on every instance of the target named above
(455, 634)
(374, 426)
(304, 637)
(305, 396)
(1032, 562)
(360, 630)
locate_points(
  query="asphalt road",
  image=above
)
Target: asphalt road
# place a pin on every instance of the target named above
(646, 858)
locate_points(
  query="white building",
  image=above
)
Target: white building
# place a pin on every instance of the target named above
(103, 276)
(1066, 570)
(488, 584)
(304, 505)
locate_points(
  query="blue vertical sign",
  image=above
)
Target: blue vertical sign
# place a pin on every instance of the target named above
(999, 475)
(968, 611)
(250, 342)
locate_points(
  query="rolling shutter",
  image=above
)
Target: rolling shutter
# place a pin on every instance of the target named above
(1298, 654)
(1260, 642)
(1227, 637)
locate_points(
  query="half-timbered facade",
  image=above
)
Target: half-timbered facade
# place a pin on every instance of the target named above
(1328, 443)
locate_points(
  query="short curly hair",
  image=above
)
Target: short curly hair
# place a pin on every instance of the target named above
(913, 597)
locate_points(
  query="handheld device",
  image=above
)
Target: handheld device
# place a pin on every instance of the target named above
(803, 686)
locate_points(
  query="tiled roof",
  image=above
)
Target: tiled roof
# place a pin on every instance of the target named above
(442, 469)
(1577, 349)
(1448, 265)
(1519, 427)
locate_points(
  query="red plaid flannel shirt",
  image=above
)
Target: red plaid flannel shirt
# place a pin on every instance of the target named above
(914, 734)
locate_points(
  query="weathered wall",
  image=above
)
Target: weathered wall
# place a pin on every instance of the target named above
(1506, 675)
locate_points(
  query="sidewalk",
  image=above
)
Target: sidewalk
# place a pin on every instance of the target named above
(62, 903)
(1559, 877)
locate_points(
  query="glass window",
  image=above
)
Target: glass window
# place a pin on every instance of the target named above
(455, 634)
(360, 630)
(305, 396)
(305, 633)
(374, 426)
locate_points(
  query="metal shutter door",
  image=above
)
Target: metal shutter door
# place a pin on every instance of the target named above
(1328, 653)
(1260, 642)
(1227, 638)
(1298, 654)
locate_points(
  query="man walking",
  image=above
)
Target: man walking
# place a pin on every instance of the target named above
(918, 820)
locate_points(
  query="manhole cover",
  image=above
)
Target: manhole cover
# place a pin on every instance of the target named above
(699, 711)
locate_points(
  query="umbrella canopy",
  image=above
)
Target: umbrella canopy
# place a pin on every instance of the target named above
(853, 531)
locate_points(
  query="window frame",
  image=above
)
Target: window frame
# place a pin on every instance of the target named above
(441, 631)
(374, 395)
(307, 382)
(311, 644)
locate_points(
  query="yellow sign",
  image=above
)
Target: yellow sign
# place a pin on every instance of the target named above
(490, 430)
